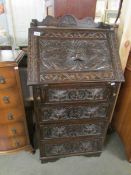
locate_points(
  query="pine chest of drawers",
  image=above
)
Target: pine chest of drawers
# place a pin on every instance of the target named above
(13, 129)
(76, 74)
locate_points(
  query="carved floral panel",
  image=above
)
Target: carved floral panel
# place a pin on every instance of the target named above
(71, 130)
(71, 112)
(72, 147)
(98, 93)
(74, 55)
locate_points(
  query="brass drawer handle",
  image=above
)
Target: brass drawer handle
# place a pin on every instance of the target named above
(2, 80)
(6, 99)
(10, 116)
(14, 130)
(17, 143)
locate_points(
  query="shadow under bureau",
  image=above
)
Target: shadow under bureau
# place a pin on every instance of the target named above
(75, 72)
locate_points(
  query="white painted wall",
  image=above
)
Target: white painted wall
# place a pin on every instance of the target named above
(19, 15)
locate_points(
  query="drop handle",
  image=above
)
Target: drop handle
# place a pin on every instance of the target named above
(2, 80)
(10, 116)
(17, 144)
(14, 130)
(6, 99)
(77, 58)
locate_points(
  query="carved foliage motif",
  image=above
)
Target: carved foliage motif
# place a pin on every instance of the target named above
(78, 94)
(72, 147)
(74, 55)
(32, 58)
(66, 21)
(70, 112)
(74, 35)
(71, 77)
(71, 130)
(66, 59)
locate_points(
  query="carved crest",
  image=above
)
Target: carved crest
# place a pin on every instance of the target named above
(65, 21)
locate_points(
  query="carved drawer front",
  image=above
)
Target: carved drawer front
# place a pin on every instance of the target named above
(12, 143)
(74, 130)
(7, 77)
(9, 98)
(13, 129)
(53, 113)
(78, 94)
(11, 115)
(74, 147)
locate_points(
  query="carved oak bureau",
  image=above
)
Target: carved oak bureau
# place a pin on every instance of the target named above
(75, 72)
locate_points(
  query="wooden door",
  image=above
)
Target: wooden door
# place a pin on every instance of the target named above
(78, 8)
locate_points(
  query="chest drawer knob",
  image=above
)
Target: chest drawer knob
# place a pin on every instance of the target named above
(14, 130)
(10, 116)
(6, 99)
(2, 80)
(17, 144)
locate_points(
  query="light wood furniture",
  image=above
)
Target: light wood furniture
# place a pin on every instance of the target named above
(13, 129)
(75, 72)
(27, 96)
(122, 115)
(78, 8)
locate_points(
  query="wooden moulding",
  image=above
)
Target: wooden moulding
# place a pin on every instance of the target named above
(25, 148)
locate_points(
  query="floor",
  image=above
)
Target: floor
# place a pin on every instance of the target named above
(111, 162)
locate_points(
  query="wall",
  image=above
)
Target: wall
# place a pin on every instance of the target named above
(19, 15)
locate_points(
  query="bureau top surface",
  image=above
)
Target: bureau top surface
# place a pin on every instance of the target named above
(10, 57)
(65, 54)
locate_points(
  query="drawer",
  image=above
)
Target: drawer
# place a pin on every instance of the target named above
(9, 98)
(72, 93)
(53, 113)
(7, 77)
(11, 115)
(11, 143)
(70, 147)
(54, 131)
(13, 129)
